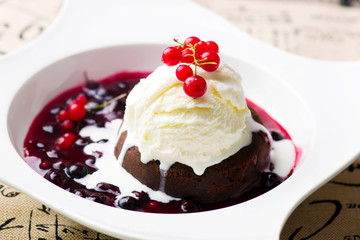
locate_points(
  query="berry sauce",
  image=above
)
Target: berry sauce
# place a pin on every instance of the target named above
(50, 151)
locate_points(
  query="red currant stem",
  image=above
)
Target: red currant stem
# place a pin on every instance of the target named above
(180, 44)
(107, 102)
(201, 62)
(195, 68)
(196, 61)
(77, 127)
(207, 63)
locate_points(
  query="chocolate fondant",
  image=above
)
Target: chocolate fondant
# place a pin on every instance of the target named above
(229, 178)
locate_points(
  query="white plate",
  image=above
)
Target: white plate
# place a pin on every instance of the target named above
(317, 102)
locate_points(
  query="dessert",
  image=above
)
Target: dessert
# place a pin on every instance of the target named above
(190, 141)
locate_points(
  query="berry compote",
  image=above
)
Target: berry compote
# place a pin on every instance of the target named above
(54, 148)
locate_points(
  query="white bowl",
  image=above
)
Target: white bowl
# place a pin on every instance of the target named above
(260, 86)
(305, 96)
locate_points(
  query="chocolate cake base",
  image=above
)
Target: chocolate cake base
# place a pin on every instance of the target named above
(229, 178)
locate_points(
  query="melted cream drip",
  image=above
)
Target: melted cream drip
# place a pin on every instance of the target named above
(110, 171)
(251, 126)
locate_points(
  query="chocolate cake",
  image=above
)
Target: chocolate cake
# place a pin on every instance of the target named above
(229, 178)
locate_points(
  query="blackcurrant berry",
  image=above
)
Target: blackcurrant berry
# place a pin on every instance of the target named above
(77, 170)
(128, 203)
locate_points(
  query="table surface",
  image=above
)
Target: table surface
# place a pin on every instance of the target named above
(319, 29)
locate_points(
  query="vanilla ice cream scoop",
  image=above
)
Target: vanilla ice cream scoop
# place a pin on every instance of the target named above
(167, 125)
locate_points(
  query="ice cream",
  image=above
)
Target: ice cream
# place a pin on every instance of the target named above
(166, 124)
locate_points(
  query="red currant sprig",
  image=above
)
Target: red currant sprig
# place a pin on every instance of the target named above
(192, 52)
(74, 112)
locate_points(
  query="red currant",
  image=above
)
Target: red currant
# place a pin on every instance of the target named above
(183, 72)
(153, 204)
(81, 99)
(65, 141)
(76, 111)
(182, 47)
(210, 57)
(187, 56)
(67, 124)
(195, 86)
(201, 47)
(191, 40)
(45, 165)
(197, 55)
(171, 56)
(212, 46)
(70, 136)
(62, 115)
